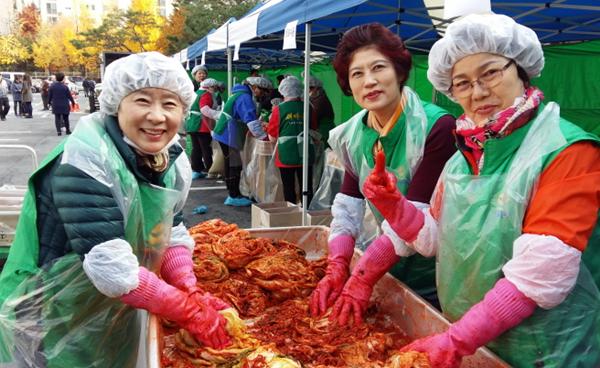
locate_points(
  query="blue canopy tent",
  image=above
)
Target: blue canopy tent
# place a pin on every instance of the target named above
(320, 24)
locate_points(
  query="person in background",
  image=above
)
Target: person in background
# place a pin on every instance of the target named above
(286, 126)
(372, 65)
(220, 92)
(27, 97)
(198, 128)
(4, 103)
(101, 221)
(512, 217)
(195, 128)
(237, 118)
(44, 93)
(321, 107)
(199, 73)
(15, 89)
(262, 89)
(61, 100)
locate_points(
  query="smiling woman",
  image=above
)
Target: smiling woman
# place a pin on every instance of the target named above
(372, 65)
(102, 219)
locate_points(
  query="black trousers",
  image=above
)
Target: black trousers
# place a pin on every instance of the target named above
(201, 151)
(59, 119)
(26, 108)
(4, 107)
(232, 170)
(288, 178)
(18, 108)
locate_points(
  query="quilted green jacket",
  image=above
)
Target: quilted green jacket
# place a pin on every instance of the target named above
(76, 212)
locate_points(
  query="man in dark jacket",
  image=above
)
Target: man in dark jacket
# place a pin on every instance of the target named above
(59, 97)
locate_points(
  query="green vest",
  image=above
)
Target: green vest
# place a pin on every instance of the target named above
(480, 219)
(194, 119)
(57, 304)
(227, 114)
(291, 133)
(404, 145)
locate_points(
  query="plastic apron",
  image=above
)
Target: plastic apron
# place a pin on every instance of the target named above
(290, 141)
(480, 219)
(61, 319)
(404, 145)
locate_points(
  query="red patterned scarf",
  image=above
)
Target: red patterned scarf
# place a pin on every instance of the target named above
(500, 124)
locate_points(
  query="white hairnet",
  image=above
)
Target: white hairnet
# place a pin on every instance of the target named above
(314, 82)
(209, 82)
(476, 33)
(199, 67)
(261, 82)
(290, 87)
(144, 70)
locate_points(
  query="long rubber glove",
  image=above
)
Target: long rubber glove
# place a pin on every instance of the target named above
(381, 190)
(341, 249)
(162, 299)
(502, 308)
(177, 268)
(379, 257)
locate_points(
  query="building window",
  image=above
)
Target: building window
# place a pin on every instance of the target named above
(51, 8)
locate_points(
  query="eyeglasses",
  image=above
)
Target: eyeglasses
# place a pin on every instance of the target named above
(489, 79)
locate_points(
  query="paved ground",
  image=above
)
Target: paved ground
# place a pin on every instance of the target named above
(16, 164)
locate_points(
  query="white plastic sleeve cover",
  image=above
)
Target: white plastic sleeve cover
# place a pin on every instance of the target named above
(181, 236)
(543, 268)
(210, 113)
(256, 129)
(427, 241)
(348, 213)
(400, 246)
(112, 268)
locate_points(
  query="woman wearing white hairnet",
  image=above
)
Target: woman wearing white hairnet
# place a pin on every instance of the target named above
(286, 126)
(513, 211)
(101, 219)
(198, 128)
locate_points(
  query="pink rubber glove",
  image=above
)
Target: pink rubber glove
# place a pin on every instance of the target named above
(381, 190)
(341, 249)
(208, 299)
(502, 308)
(162, 299)
(379, 257)
(177, 268)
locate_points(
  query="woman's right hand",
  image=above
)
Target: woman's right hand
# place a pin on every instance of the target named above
(329, 288)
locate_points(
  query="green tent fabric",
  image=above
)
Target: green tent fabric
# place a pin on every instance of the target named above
(571, 77)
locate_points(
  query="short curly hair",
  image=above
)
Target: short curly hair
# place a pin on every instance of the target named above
(375, 35)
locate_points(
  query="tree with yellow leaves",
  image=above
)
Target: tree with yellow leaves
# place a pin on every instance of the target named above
(12, 50)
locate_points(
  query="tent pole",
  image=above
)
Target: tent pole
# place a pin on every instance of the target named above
(229, 68)
(306, 123)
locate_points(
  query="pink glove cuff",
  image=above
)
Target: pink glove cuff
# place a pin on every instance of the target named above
(379, 257)
(177, 267)
(502, 308)
(341, 248)
(410, 221)
(145, 293)
(508, 304)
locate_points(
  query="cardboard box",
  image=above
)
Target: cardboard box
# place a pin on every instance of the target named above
(276, 214)
(413, 314)
(319, 217)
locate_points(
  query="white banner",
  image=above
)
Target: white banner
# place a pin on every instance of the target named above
(203, 60)
(289, 37)
(236, 52)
